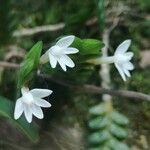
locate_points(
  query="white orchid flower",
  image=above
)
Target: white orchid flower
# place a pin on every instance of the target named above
(58, 53)
(121, 59)
(31, 102)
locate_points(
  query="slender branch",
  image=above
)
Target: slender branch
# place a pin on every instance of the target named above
(4, 64)
(47, 28)
(38, 29)
(86, 88)
(120, 93)
(98, 90)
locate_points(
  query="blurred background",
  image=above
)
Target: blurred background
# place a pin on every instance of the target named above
(67, 124)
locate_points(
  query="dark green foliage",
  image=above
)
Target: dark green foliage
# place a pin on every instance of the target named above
(7, 110)
(76, 17)
(101, 14)
(108, 128)
(7, 23)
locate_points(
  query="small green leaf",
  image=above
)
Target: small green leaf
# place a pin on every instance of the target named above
(88, 46)
(118, 132)
(99, 123)
(91, 46)
(30, 63)
(116, 145)
(98, 137)
(98, 110)
(119, 118)
(77, 43)
(7, 110)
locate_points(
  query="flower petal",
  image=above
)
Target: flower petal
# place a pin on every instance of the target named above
(42, 103)
(129, 55)
(123, 47)
(129, 66)
(63, 66)
(66, 41)
(28, 113)
(18, 109)
(40, 93)
(67, 61)
(71, 50)
(126, 72)
(52, 60)
(37, 111)
(120, 71)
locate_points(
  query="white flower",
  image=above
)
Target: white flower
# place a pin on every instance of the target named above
(58, 53)
(31, 102)
(122, 59)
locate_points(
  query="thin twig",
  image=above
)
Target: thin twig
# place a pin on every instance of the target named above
(38, 29)
(6, 65)
(48, 28)
(98, 90)
(86, 88)
(120, 93)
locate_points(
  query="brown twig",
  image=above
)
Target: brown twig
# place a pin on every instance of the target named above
(86, 88)
(39, 29)
(48, 28)
(98, 90)
(120, 93)
(4, 64)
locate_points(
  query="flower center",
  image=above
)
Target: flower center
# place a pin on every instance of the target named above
(28, 98)
(121, 58)
(56, 51)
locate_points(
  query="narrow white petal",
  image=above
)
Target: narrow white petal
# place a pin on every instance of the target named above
(71, 50)
(123, 47)
(67, 61)
(127, 72)
(63, 66)
(37, 111)
(128, 66)
(28, 113)
(129, 55)
(120, 71)
(66, 41)
(52, 60)
(42, 103)
(18, 108)
(40, 93)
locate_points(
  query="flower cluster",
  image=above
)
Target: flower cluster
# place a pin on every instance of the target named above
(32, 100)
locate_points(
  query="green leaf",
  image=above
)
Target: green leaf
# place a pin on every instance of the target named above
(88, 46)
(99, 123)
(91, 46)
(118, 132)
(119, 118)
(98, 110)
(7, 110)
(116, 145)
(30, 63)
(98, 137)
